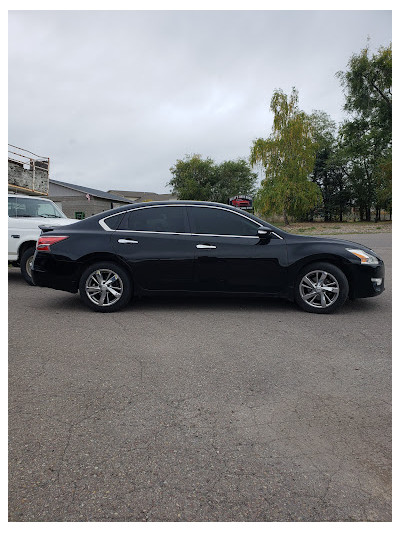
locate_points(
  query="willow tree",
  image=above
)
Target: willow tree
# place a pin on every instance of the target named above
(288, 157)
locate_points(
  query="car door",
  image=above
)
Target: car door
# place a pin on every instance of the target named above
(156, 243)
(13, 240)
(14, 233)
(231, 257)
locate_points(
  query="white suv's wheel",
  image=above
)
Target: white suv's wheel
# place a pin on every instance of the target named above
(26, 264)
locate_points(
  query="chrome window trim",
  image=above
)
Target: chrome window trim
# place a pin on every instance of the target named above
(192, 234)
(104, 225)
(106, 228)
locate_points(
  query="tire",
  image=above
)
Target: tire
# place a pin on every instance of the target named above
(105, 287)
(25, 264)
(321, 288)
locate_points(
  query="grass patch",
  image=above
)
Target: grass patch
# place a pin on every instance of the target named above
(304, 230)
(335, 228)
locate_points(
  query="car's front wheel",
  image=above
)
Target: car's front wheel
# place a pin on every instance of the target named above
(105, 287)
(321, 288)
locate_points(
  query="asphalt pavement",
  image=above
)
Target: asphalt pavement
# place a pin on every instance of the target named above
(199, 409)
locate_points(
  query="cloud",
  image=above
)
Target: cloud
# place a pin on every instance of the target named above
(114, 97)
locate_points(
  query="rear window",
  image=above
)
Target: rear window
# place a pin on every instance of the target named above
(114, 221)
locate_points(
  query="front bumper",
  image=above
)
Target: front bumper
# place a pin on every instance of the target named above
(364, 278)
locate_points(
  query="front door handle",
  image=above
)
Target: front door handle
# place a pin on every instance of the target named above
(128, 241)
(205, 246)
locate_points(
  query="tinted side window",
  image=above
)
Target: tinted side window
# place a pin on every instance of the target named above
(220, 222)
(170, 219)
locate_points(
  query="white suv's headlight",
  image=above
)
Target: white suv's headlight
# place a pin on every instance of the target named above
(366, 258)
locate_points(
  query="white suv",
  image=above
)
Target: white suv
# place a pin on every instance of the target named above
(25, 215)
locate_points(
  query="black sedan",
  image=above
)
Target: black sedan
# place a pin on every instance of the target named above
(200, 247)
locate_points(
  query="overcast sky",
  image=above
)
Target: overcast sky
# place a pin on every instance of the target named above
(114, 98)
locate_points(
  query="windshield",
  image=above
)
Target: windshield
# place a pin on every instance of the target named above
(33, 207)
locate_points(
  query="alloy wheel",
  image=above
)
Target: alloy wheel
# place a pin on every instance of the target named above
(104, 287)
(319, 289)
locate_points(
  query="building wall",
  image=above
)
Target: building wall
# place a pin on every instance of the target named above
(71, 205)
(72, 202)
(36, 179)
(136, 196)
(60, 190)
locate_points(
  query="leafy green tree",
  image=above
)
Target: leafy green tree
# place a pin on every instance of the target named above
(329, 170)
(288, 157)
(338, 193)
(233, 178)
(384, 184)
(362, 148)
(367, 134)
(194, 178)
(324, 137)
(368, 87)
(323, 130)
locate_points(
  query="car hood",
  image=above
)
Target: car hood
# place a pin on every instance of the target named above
(33, 223)
(330, 240)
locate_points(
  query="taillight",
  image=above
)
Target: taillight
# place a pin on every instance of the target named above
(44, 243)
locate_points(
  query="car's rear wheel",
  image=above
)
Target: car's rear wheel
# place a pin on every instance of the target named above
(26, 264)
(321, 288)
(105, 287)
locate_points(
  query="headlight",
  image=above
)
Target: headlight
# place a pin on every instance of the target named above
(366, 258)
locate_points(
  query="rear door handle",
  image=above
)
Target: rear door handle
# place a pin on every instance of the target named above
(128, 241)
(205, 246)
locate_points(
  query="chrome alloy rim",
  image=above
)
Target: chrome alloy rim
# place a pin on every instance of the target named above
(319, 289)
(104, 287)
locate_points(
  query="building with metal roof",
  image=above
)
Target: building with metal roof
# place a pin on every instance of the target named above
(139, 196)
(79, 201)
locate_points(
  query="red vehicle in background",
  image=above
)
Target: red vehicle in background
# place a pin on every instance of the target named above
(241, 202)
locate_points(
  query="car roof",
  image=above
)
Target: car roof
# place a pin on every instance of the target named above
(174, 202)
(129, 207)
(180, 202)
(155, 203)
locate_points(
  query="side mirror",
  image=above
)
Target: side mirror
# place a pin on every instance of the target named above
(264, 233)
